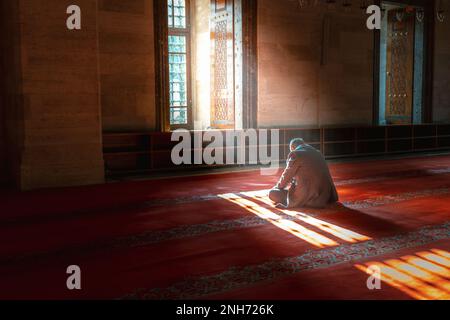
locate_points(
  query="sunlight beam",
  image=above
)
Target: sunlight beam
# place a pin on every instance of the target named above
(390, 280)
(339, 232)
(426, 265)
(436, 258)
(418, 278)
(292, 227)
(420, 274)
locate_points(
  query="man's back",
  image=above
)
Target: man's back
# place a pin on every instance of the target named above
(312, 182)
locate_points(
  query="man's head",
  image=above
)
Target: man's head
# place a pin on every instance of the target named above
(295, 143)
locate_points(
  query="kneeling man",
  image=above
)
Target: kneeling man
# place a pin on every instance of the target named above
(306, 182)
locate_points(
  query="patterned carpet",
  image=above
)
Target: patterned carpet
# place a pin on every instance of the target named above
(218, 237)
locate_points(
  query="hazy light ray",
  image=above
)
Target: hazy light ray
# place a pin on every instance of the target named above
(420, 274)
(293, 228)
(338, 232)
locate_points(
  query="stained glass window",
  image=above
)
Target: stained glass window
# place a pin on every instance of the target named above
(178, 62)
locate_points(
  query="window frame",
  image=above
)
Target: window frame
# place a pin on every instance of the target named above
(162, 83)
(186, 32)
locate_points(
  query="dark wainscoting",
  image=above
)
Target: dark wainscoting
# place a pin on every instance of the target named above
(150, 152)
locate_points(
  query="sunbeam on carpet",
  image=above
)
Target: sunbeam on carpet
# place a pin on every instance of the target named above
(278, 217)
(423, 276)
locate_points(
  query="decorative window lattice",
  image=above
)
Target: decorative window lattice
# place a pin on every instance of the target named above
(398, 83)
(222, 108)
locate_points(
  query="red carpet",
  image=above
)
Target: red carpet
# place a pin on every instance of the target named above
(213, 237)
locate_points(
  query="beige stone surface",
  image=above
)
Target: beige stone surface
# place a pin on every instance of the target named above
(307, 81)
(11, 98)
(127, 65)
(201, 64)
(3, 151)
(61, 141)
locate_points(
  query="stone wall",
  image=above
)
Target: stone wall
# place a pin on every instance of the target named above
(61, 139)
(315, 66)
(127, 66)
(3, 172)
(3, 151)
(441, 88)
(11, 106)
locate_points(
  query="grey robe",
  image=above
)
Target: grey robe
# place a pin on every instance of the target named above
(308, 175)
